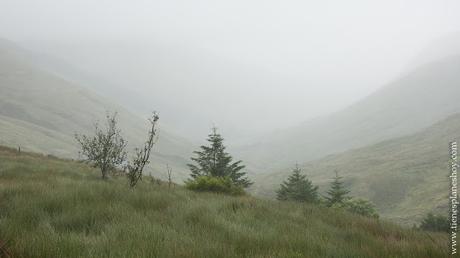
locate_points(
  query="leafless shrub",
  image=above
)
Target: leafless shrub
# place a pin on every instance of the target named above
(169, 171)
(141, 159)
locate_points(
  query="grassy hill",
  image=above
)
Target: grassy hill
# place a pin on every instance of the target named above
(41, 112)
(414, 101)
(58, 208)
(405, 177)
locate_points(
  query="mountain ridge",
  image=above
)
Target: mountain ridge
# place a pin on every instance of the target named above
(36, 105)
(392, 111)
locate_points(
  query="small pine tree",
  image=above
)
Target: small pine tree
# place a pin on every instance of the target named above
(338, 193)
(297, 188)
(215, 162)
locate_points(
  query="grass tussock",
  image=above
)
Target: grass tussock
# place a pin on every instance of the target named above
(56, 208)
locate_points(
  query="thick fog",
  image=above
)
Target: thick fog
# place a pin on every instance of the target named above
(248, 67)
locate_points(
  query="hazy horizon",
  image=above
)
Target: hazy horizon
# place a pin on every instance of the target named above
(249, 68)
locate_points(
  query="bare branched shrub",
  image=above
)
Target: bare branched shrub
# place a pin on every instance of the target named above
(106, 149)
(135, 167)
(169, 170)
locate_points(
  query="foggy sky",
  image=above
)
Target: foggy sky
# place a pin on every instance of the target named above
(317, 56)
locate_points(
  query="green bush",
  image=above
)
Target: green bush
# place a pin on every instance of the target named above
(214, 184)
(435, 223)
(358, 206)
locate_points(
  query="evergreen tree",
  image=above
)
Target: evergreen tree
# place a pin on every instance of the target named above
(213, 161)
(338, 193)
(297, 188)
(358, 206)
(435, 223)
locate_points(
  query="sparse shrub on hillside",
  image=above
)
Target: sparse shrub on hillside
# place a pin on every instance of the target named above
(358, 206)
(338, 197)
(169, 171)
(434, 222)
(337, 194)
(297, 188)
(214, 184)
(106, 149)
(213, 161)
(135, 168)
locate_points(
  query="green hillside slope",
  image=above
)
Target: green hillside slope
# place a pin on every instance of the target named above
(405, 177)
(410, 103)
(41, 112)
(56, 208)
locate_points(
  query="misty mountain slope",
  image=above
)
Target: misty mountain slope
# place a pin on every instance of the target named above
(412, 102)
(42, 112)
(443, 47)
(32, 137)
(194, 88)
(405, 177)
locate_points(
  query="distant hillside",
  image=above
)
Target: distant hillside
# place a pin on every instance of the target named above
(57, 208)
(443, 47)
(41, 112)
(406, 177)
(412, 102)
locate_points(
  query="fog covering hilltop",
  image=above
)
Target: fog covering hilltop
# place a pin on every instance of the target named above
(41, 112)
(194, 88)
(442, 47)
(411, 102)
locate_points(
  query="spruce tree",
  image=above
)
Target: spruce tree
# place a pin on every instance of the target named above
(213, 161)
(297, 188)
(338, 193)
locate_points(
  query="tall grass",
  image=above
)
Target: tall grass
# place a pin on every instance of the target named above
(56, 208)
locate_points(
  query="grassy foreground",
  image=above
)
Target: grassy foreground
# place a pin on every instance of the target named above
(56, 208)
